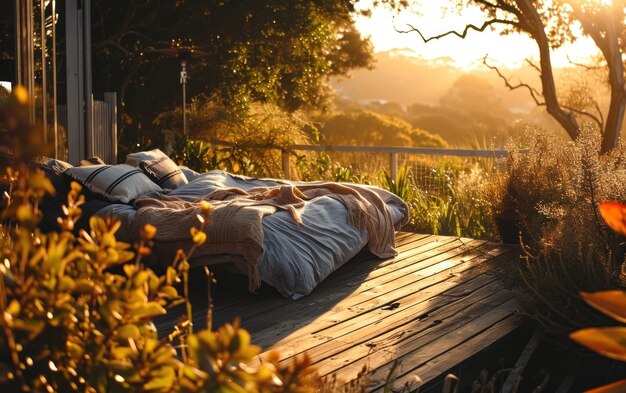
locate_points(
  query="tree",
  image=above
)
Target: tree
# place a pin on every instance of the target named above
(270, 51)
(365, 127)
(549, 23)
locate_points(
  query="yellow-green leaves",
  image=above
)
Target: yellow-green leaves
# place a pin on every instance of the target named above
(67, 308)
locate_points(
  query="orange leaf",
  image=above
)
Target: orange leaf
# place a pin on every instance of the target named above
(615, 387)
(611, 303)
(614, 214)
(608, 341)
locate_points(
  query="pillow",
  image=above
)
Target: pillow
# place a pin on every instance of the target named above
(189, 173)
(164, 172)
(117, 183)
(134, 159)
(57, 166)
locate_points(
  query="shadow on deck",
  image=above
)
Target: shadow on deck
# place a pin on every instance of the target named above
(431, 307)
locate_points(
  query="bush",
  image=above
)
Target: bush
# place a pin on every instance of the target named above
(78, 310)
(455, 202)
(551, 194)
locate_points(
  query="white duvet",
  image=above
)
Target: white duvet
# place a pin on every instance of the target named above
(296, 257)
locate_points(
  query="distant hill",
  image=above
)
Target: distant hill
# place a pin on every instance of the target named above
(435, 96)
(368, 128)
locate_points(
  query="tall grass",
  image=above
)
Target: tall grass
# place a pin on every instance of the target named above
(552, 193)
(459, 206)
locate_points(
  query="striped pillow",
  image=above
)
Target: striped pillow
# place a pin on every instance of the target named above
(164, 172)
(134, 159)
(117, 183)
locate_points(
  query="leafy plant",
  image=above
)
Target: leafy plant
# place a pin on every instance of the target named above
(452, 201)
(608, 341)
(402, 185)
(194, 154)
(77, 310)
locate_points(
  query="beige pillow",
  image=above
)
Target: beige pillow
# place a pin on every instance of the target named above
(164, 172)
(134, 159)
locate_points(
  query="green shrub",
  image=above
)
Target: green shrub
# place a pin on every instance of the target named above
(459, 205)
(77, 311)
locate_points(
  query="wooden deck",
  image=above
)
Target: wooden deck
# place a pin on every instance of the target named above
(431, 307)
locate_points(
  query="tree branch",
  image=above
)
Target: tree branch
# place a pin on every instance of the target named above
(507, 82)
(595, 119)
(533, 65)
(462, 34)
(585, 66)
(114, 44)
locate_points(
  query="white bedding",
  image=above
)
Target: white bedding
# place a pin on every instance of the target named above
(297, 257)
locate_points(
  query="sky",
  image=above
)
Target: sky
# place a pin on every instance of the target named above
(505, 51)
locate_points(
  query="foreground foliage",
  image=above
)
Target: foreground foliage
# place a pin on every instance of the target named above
(78, 309)
(608, 341)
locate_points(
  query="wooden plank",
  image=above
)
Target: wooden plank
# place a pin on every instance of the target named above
(343, 336)
(401, 236)
(333, 293)
(444, 362)
(515, 377)
(250, 305)
(416, 350)
(299, 320)
(431, 307)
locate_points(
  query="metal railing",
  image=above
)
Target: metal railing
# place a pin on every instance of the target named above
(396, 156)
(393, 153)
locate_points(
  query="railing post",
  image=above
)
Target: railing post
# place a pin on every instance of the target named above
(393, 164)
(286, 171)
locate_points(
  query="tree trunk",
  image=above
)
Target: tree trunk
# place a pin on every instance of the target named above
(537, 30)
(608, 43)
(613, 55)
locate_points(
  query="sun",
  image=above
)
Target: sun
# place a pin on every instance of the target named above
(466, 53)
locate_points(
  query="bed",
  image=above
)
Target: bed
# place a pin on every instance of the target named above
(300, 243)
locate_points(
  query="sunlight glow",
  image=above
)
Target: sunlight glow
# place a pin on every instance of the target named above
(509, 51)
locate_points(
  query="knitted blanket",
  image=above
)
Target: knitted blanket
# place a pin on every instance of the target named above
(237, 219)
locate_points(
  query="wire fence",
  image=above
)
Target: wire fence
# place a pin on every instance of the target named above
(429, 167)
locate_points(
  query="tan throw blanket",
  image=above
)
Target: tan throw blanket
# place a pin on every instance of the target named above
(237, 219)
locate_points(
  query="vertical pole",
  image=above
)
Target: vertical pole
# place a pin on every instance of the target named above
(18, 42)
(286, 169)
(393, 164)
(111, 99)
(183, 81)
(55, 117)
(44, 87)
(87, 89)
(25, 52)
(75, 92)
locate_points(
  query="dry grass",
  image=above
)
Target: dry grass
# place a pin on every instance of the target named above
(552, 193)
